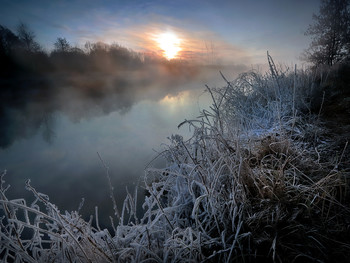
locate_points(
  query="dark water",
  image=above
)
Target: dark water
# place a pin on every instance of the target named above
(58, 151)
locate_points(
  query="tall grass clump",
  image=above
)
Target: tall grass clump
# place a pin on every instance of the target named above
(258, 181)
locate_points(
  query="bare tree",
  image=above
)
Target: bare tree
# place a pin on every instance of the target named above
(8, 40)
(27, 37)
(62, 45)
(330, 33)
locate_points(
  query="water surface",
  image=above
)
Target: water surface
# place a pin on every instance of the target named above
(58, 150)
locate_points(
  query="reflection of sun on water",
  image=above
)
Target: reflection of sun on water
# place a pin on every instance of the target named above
(173, 103)
(169, 43)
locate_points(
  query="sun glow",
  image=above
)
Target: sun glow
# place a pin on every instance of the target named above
(169, 43)
(173, 104)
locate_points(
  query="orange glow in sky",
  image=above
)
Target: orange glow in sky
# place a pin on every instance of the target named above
(169, 43)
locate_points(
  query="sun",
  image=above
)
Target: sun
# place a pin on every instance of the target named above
(169, 43)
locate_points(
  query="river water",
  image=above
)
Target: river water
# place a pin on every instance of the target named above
(60, 155)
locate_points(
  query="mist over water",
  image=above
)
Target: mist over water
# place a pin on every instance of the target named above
(53, 139)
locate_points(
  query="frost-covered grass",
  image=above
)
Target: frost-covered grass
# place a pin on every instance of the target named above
(258, 181)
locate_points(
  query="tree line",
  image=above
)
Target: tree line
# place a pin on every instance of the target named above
(21, 53)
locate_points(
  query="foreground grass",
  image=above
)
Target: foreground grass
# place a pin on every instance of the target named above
(262, 179)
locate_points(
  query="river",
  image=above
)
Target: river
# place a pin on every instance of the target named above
(60, 155)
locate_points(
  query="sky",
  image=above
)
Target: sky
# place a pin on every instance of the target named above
(229, 32)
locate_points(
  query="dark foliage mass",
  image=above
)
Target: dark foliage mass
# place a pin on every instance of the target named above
(330, 33)
(81, 82)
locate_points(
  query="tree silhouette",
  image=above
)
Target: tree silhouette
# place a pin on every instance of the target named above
(62, 45)
(330, 33)
(27, 37)
(8, 40)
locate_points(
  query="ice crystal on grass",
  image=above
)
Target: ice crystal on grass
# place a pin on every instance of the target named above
(252, 184)
(39, 232)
